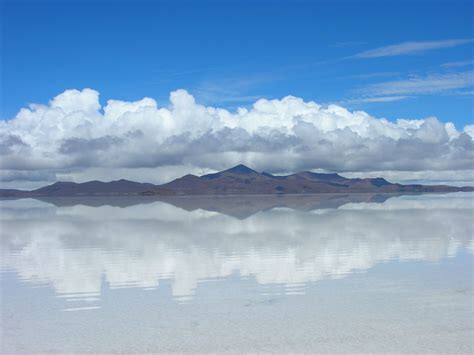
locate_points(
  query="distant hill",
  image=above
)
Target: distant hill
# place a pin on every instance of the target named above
(90, 188)
(239, 180)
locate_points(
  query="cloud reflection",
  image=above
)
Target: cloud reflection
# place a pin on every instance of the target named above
(73, 249)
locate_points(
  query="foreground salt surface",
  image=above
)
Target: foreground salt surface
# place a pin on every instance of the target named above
(391, 276)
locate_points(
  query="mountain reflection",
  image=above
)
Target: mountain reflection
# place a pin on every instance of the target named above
(74, 248)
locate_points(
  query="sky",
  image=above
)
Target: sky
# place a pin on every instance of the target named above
(149, 90)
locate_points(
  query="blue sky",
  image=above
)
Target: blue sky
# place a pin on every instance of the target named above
(229, 53)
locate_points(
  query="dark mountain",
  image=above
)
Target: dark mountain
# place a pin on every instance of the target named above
(239, 180)
(90, 188)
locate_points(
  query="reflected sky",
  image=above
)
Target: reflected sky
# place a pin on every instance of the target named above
(76, 249)
(328, 273)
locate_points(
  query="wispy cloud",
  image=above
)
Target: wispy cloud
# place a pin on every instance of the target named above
(412, 47)
(367, 100)
(183, 71)
(464, 93)
(347, 44)
(458, 64)
(431, 84)
(372, 75)
(230, 90)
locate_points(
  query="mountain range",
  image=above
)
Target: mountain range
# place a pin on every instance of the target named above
(239, 180)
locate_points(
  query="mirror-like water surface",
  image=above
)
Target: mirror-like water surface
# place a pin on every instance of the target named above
(295, 273)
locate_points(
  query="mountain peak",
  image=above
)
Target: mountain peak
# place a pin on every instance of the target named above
(240, 169)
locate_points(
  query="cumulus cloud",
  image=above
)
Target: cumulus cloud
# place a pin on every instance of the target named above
(74, 134)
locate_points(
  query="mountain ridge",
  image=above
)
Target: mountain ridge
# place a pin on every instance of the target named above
(238, 180)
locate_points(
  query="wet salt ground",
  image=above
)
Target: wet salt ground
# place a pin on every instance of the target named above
(390, 277)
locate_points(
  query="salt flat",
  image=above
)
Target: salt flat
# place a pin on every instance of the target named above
(393, 274)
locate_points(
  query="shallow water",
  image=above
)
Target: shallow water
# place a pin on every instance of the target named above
(327, 273)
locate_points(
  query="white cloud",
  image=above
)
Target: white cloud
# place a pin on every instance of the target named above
(464, 93)
(413, 47)
(73, 137)
(458, 64)
(373, 75)
(431, 84)
(374, 99)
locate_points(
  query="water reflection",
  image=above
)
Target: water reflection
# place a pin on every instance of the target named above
(285, 242)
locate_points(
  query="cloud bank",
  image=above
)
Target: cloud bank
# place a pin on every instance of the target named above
(73, 136)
